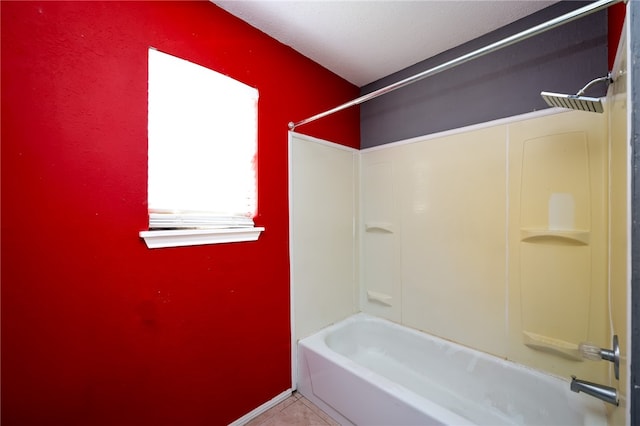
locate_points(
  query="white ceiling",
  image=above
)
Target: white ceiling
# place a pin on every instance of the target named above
(363, 41)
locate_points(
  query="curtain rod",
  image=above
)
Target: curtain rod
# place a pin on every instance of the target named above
(538, 29)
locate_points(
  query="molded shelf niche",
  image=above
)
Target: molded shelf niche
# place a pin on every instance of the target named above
(558, 236)
(381, 298)
(549, 344)
(383, 227)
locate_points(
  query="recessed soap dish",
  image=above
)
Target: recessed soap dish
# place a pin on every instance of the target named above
(570, 236)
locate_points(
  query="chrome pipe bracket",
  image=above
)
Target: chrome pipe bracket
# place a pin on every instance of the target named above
(613, 355)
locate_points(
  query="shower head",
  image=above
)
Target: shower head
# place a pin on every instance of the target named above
(580, 103)
(577, 101)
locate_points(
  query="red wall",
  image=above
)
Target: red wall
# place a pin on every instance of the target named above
(96, 328)
(615, 20)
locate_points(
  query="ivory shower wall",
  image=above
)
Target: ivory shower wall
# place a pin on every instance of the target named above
(619, 220)
(323, 196)
(482, 253)
(494, 237)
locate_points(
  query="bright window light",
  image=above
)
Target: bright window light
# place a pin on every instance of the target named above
(202, 146)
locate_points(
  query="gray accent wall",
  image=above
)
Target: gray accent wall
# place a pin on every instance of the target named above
(504, 83)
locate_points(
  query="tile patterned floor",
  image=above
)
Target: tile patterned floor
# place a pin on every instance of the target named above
(295, 410)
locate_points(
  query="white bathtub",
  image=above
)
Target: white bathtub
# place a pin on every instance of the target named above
(369, 371)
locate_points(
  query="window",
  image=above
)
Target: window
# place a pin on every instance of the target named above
(202, 131)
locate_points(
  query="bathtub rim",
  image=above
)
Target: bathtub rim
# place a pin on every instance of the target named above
(360, 316)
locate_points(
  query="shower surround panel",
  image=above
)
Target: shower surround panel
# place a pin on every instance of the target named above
(492, 232)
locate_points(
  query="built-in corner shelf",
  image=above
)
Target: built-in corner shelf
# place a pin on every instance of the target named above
(383, 227)
(570, 236)
(551, 345)
(382, 298)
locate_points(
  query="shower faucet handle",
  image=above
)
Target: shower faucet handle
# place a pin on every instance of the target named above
(595, 353)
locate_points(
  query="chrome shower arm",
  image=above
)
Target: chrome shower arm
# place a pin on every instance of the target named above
(606, 78)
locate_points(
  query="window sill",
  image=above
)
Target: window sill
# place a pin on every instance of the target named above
(196, 237)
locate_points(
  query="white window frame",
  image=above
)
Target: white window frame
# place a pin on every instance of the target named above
(188, 225)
